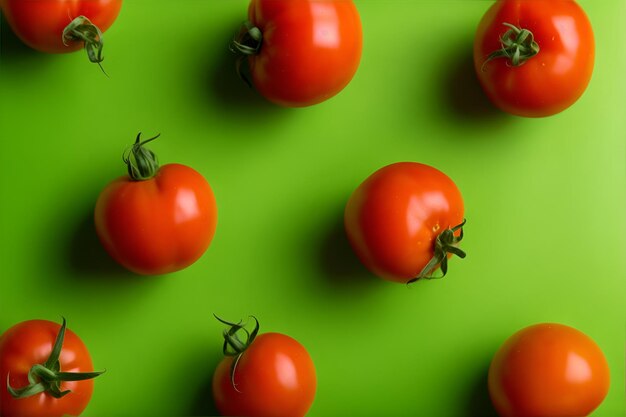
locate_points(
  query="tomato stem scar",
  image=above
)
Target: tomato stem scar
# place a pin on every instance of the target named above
(141, 162)
(48, 377)
(246, 42)
(518, 46)
(233, 345)
(81, 29)
(445, 243)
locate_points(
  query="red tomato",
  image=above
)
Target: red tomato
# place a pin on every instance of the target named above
(548, 370)
(301, 52)
(267, 375)
(405, 220)
(156, 219)
(57, 26)
(534, 58)
(28, 347)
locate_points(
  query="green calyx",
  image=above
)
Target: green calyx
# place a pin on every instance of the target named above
(518, 46)
(233, 345)
(446, 243)
(142, 163)
(48, 377)
(81, 29)
(246, 42)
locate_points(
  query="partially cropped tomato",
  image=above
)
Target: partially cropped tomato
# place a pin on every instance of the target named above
(45, 371)
(301, 52)
(405, 220)
(534, 58)
(57, 26)
(548, 370)
(269, 375)
(155, 220)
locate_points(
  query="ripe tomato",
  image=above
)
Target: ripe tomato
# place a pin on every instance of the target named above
(57, 26)
(548, 370)
(534, 58)
(266, 375)
(301, 52)
(156, 219)
(405, 220)
(48, 371)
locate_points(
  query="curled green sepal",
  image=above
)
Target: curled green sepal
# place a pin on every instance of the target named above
(518, 46)
(445, 244)
(233, 345)
(246, 42)
(48, 377)
(81, 29)
(141, 162)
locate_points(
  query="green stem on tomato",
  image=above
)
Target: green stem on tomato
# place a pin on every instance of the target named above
(446, 243)
(48, 377)
(233, 345)
(246, 42)
(141, 162)
(81, 29)
(518, 46)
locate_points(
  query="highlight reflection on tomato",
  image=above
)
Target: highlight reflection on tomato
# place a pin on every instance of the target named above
(405, 220)
(157, 219)
(45, 371)
(534, 58)
(265, 375)
(548, 370)
(300, 52)
(57, 26)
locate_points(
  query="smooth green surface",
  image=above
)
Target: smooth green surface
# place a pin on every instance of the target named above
(545, 202)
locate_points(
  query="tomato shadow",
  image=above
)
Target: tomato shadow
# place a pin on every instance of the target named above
(203, 403)
(87, 257)
(463, 95)
(478, 402)
(233, 97)
(338, 263)
(12, 49)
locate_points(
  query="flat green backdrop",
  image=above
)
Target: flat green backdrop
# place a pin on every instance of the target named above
(545, 203)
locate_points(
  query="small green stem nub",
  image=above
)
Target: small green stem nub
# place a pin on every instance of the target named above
(233, 345)
(446, 243)
(518, 46)
(81, 29)
(246, 42)
(48, 377)
(142, 163)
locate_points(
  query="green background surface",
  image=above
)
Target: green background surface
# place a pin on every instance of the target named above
(545, 203)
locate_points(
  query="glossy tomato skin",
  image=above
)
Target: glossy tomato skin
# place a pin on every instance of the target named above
(311, 49)
(548, 370)
(40, 23)
(393, 218)
(274, 377)
(29, 343)
(548, 82)
(159, 225)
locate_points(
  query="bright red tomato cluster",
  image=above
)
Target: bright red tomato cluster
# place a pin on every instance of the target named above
(404, 222)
